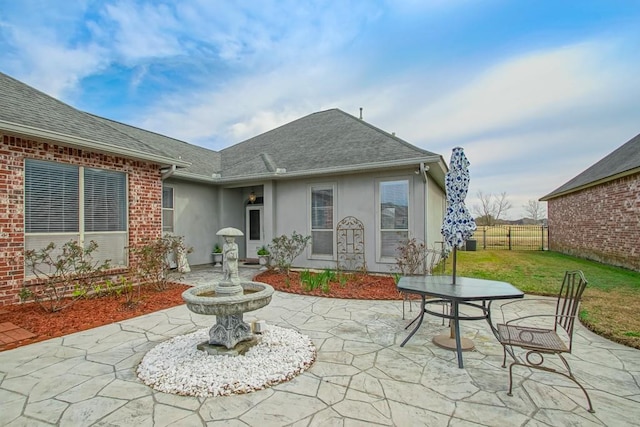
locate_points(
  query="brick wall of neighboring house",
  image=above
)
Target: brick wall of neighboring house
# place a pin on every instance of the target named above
(601, 223)
(145, 201)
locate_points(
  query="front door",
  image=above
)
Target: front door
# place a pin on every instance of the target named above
(255, 232)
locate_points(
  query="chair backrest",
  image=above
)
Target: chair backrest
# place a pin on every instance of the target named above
(569, 297)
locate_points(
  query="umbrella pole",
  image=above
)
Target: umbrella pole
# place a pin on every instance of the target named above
(452, 331)
(451, 344)
(454, 264)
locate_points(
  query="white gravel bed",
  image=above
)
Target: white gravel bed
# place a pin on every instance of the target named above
(177, 366)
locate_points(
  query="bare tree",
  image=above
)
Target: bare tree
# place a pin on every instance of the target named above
(501, 205)
(484, 210)
(534, 209)
(491, 207)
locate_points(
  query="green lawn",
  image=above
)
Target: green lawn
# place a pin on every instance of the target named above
(611, 302)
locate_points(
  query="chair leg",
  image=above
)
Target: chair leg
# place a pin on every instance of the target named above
(509, 393)
(504, 357)
(547, 369)
(575, 380)
(405, 300)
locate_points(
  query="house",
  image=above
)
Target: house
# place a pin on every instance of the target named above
(66, 174)
(596, 215)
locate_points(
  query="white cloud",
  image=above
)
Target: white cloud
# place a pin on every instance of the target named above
(535, 85)
(141, 31)
(247, 105)
(51, 64)
(529, 122)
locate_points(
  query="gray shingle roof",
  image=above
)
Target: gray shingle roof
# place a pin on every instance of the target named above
(203, 161)
(327, 141)
(324, 140)
(624, 159)
(23, 105)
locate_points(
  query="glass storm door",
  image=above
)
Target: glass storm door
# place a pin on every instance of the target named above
(255, 233)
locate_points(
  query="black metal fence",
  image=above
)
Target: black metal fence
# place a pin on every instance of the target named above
(510, 237)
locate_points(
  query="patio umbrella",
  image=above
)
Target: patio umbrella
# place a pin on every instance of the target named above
(458, 225)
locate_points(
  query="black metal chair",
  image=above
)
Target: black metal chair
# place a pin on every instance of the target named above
(538, 341)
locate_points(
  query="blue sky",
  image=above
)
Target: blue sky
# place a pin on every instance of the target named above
(535, 91)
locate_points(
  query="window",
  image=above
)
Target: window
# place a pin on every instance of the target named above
(104, 200)
(394, 216)
(52, 198)
(322, 220)
(66, 202)
(167, 210)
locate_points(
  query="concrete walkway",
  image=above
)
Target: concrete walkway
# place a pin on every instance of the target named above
(361, 377)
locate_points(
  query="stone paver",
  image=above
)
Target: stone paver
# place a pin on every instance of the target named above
(361, 377)
(10, 333)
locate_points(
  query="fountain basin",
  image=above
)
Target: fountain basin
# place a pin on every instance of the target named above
(256, 295)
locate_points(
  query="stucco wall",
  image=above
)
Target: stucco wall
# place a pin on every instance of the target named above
(355, 196)
(145, 195)
(436, 208)
(601, 223)
(196, 218)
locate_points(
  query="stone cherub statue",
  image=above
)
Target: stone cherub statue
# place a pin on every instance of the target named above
(230, 260)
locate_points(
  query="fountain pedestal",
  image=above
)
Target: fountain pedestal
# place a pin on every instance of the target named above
(229, 331)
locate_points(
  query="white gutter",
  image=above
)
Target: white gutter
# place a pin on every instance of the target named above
(282, 174)
(79, 142)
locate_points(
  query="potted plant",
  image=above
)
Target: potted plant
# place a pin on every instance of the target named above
(264, 256)
(217, 256)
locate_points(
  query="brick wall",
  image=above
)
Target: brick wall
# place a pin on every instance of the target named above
(145, 201)
(601, 223)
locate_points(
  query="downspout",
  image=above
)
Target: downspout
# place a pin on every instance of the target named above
(166, 173)
(423, 169)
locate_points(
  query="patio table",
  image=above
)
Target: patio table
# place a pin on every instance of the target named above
(466, 291)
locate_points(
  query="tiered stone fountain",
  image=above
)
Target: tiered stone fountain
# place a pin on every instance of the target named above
(228, 300)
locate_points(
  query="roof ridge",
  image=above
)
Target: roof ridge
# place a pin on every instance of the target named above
(384, 132)
(596, 172)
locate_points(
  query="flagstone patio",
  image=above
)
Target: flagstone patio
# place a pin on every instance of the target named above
(361, 376)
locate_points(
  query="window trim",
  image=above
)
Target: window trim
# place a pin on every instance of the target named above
(82, 233)
(322, 185)
(378, 217)
(172, 209)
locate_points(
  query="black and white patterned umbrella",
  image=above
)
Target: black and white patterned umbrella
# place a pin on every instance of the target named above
(458, 225)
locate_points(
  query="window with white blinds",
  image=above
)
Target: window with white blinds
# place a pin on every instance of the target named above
(104, 200)
(52, 197)
(322, 220)
(67, 202)
(394, 216)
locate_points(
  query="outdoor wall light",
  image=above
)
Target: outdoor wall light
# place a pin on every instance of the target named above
(252, 197)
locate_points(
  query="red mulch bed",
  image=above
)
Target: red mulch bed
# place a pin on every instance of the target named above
(358, 286)
(90, 313)
(85, 313)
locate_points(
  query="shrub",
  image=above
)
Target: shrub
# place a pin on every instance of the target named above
(71, 270)
(123, 286)
(415, 258)
(312, 281)
(154, 261)
(285, 249)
